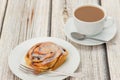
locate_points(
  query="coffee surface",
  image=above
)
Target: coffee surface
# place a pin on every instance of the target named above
(89, 13)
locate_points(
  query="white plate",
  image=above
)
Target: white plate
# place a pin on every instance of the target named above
(19, 52)
(107, 34)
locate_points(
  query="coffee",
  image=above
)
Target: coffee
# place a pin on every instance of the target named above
(89, 14)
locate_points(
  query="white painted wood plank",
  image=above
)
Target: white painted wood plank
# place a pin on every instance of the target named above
(3, 4)
(93, 59)
(24, 19)
(113, 51)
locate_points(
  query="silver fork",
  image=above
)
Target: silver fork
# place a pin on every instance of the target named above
(32, 71)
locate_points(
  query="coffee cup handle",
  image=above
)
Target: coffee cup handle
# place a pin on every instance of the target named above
(108, 22)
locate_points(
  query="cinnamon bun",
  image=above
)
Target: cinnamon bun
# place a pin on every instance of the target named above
(46, 56)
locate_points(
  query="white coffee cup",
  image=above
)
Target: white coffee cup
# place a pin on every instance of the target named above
(92, 28)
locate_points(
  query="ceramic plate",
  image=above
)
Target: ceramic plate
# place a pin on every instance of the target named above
(20, 51)
(107, 34)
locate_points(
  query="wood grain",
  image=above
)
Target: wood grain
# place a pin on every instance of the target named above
(113, 51)
(93, 59)
(24, 19)
(3, 6)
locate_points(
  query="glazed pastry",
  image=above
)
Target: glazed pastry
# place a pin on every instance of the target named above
(46, 56)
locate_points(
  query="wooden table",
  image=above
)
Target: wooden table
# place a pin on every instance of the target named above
(25, 19)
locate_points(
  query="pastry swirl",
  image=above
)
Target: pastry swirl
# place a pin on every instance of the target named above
(46, 55)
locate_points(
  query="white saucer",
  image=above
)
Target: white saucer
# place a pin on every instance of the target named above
(107, 34)
(20, 51)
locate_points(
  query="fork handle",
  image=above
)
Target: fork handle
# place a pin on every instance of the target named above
(76, 75)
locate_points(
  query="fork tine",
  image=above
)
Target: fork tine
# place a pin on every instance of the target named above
(25, 71)
(26, 68)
